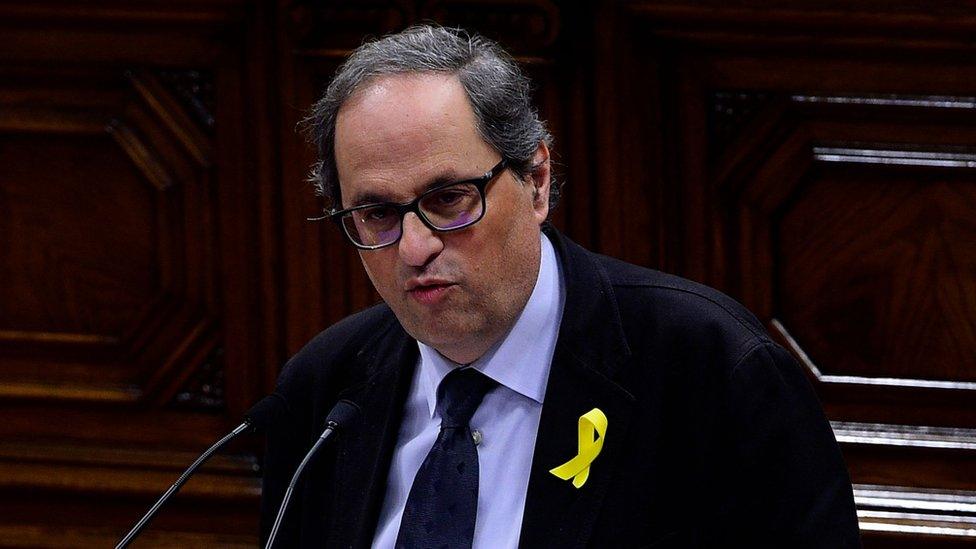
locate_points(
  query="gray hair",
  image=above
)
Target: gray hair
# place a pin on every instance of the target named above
(498, 91)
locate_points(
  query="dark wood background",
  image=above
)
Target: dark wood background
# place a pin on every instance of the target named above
(816, 160)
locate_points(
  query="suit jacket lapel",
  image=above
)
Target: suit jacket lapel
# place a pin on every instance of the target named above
(581, 378)
(362, 464)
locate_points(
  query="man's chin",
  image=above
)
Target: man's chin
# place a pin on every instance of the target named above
(445, 336)
(439, 339)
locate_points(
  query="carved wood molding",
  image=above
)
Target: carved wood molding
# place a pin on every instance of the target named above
(58, 535)
(730, 111)
(902, 161)
(118, 484)
(892, 100)
(14, 390)
(169, 334)
(194, 34)
(158, 108)
(204, 390)
(145, 473)
(142, 156)
(195, 90)
(880, 382)
(912, 436)
(875, 153)
(141, 214)
(901, 510)
(333, 30)
(733, 114)
(202, 12)
(810, 26)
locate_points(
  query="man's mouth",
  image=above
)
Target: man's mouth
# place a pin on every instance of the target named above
(430, 294)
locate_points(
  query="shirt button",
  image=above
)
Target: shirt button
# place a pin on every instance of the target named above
(477, 437)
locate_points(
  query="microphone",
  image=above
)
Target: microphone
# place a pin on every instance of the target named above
(343, 412)
(259, 417)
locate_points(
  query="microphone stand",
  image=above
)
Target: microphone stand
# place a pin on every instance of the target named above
(144, 521)
(340, 415)
(259, 416)
(294, 480)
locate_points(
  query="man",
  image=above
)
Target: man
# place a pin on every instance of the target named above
(515, 388)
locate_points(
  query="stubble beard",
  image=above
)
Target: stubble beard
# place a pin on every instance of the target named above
(454, 328)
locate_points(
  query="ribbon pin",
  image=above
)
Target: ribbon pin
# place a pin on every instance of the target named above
(592, 430)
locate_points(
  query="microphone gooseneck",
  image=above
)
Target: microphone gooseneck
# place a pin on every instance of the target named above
(340, 415)
(258, 417)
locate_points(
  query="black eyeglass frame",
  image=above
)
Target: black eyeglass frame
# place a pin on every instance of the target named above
(480, 183)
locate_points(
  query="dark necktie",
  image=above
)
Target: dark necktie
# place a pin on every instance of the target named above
(443, 500)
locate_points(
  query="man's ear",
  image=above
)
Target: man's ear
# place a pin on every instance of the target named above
(540, 178)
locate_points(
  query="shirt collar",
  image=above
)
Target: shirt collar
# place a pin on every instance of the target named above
(521, 360)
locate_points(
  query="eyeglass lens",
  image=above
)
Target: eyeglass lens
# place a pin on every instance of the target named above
(444, 209)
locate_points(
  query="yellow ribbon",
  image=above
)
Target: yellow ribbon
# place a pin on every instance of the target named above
(592, 430)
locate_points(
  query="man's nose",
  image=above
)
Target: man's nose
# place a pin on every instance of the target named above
(419, 244)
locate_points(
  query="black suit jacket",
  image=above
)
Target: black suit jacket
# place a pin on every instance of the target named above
(715, 437)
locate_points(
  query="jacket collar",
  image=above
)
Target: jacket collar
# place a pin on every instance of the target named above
(383, 370)
(591, 327)
(590, 350)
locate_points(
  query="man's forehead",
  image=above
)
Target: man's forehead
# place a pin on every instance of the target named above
(403, 113)
(401, 134)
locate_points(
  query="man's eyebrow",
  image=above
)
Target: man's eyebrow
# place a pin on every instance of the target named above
(372, 197)
(367, 198)
(443, 179)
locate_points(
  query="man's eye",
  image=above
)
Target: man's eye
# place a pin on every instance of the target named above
(375, 214)
(449, 197)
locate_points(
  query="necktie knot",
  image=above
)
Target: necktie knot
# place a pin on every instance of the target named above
(461, 392)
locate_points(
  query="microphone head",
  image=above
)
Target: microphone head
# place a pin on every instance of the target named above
(262, 414)
(342, 413)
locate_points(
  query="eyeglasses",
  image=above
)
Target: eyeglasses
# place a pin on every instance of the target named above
(444, 208)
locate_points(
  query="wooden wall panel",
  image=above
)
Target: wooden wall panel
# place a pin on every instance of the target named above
(824, 178)
(131, 333)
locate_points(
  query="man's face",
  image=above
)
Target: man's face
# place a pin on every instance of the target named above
(461, 291)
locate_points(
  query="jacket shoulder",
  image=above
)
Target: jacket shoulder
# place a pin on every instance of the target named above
(684, 314)
(322, 359)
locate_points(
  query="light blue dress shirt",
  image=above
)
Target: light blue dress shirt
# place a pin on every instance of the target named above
(507, 420)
